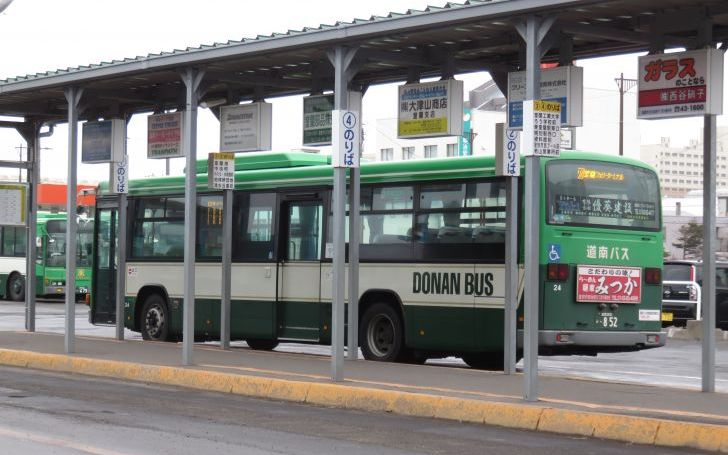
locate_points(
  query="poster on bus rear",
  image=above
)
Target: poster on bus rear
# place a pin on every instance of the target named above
(608, 284)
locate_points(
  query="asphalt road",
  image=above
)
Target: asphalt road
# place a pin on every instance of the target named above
(64, 414)
(675, 365)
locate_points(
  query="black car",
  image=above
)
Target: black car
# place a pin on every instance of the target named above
(681, 290)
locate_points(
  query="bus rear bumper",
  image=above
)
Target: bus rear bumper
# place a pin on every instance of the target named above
(565, 340)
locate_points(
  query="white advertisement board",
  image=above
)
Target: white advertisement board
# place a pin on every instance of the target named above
(680, 84)
(507, 151)
(103, 141)
(12, 204)
(246, 127)
(221, 171)
(164, 135)
(541, 128)
(347, 137)
(564, 84)
(430, 109)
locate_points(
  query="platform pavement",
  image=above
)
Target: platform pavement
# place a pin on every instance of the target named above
(625, 412)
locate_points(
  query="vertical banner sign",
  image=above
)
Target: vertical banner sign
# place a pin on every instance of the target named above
(541, 130)
(164, 135)
(246, 127)
(12, 204)
(681, 84)
(430, 109)
(507, 151)
(347, 134)
(103, 141)
(221, 171)
(119, 177)
(564, 84)
(465, 141)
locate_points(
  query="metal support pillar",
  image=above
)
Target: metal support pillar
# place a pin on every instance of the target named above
(709, 242)
(534, 33)
(341, 59)
(227, 246)
(73, 96)
(121, 266)
(511, 265)
(352, 345)
(191, 78)
(31, 252)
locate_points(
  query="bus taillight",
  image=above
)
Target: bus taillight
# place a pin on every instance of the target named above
(557, 272)
(653, 275)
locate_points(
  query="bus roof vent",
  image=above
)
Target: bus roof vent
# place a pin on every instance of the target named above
(271, 160)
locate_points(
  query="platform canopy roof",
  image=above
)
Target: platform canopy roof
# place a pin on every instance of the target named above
(478, 35)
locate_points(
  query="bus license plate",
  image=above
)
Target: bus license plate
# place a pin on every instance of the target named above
(666, 317)
(596, 283)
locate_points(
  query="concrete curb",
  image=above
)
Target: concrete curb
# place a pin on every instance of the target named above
(641, 430)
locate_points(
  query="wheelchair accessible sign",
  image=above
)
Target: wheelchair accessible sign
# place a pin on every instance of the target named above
(554, 252)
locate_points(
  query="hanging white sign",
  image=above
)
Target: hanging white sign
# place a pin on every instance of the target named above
(564, 84)
(12, 204)
(164, 135)
(347, 134)
(430, 109)
(680, 84)
(246, 127)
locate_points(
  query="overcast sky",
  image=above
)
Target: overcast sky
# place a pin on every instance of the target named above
(42, 35)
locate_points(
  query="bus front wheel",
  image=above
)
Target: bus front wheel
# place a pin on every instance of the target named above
(155, 319)
(16, 288)
(381, 333)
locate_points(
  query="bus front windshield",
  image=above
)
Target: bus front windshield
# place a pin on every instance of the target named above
(601, 194)
(56, 249)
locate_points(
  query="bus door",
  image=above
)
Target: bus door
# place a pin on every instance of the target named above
(299, 266)
(103, 288)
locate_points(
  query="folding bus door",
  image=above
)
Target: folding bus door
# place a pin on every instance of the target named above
(299, 267)
(103, 287)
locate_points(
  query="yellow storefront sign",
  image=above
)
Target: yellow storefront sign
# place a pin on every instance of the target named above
(422, 126)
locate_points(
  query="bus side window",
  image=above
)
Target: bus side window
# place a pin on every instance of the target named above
(253, 223)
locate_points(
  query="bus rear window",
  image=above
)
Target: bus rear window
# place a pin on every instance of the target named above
(590, 193)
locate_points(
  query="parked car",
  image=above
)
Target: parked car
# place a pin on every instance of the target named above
(681, 292)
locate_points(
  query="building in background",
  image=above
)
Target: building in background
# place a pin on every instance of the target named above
(681, 168)
(52, 197)
(679, 211)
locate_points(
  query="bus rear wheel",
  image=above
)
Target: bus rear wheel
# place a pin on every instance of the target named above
(155, 319)
(260, 344)
(16, 287)
(484, 360)
(381, 334)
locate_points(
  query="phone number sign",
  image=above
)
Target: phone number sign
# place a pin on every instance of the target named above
(680, 84)
(604, 284)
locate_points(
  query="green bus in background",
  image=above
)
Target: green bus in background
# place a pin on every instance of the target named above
(50, 260)
(432, 273)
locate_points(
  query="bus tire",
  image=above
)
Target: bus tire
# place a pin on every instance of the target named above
(261, 344)
(381, 334)
(492, 361)
(155, 319)
(16, 287)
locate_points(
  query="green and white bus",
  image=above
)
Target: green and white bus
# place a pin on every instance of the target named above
(432, 256)
(51, 257)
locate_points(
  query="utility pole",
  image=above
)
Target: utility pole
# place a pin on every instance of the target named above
(20, 149)
(624, 86)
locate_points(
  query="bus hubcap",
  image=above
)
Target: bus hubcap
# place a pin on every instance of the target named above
(380, 335)
(154, 321)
